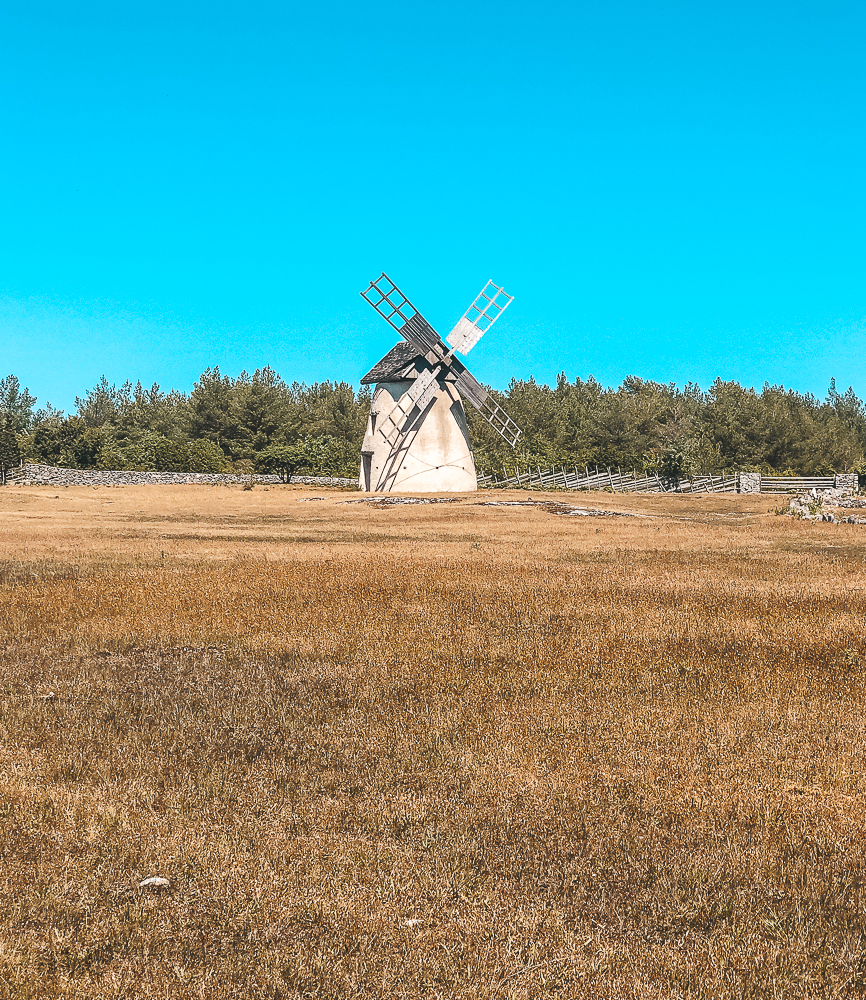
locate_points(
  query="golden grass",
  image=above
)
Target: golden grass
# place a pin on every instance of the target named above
(440, 751)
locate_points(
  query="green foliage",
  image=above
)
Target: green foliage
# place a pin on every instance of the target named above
(279, 459)
(661, 428)
(205, 456)
(10, 453)
(322, 455)
(104, 404)
(16, 406)
(296, 429)
(679, 458)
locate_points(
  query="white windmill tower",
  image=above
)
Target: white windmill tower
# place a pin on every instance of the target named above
(417, 440)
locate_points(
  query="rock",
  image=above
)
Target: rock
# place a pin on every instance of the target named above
(155, 882)
(412, 922)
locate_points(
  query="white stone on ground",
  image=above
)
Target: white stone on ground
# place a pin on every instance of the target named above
(154, 882)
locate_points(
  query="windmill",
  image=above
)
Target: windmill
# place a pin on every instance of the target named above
(417, 440)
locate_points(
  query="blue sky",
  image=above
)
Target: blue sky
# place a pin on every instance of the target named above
(670, 189)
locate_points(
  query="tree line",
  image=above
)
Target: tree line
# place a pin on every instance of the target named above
(252, 422)
(260, 422)
(649, 426)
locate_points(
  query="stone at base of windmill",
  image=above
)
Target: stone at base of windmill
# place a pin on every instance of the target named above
(430, 454)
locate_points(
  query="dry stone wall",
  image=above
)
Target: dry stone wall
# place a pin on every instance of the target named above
(31, 474)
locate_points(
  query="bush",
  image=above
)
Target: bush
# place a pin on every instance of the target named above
(205, 456)
(310, 456)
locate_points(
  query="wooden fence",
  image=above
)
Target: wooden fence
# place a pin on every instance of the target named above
(633, 482)
(616, 480)
(798, 484)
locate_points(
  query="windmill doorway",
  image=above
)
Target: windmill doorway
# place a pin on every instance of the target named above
(366, 469)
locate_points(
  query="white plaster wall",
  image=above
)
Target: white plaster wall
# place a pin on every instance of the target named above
(433, 454)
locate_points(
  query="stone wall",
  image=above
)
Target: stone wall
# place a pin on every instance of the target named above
(750, 482)
(31, 474)
(846, 481)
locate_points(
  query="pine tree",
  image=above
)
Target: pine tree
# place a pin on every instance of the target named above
(10, 453)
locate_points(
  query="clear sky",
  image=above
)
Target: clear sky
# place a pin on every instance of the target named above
(675, 190)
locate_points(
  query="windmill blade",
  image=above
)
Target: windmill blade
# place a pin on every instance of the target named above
(490, 303)
(396, 309)
(422, 336)
(423, 389)
(468, 385)
(417, 396)
(500, 421)
(486, 405)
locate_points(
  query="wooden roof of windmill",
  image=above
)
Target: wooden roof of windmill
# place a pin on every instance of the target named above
(401, 364)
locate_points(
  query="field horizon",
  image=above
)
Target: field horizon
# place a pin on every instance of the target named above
(483, 747)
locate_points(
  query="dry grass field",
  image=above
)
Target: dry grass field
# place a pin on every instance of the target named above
(445, 750)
